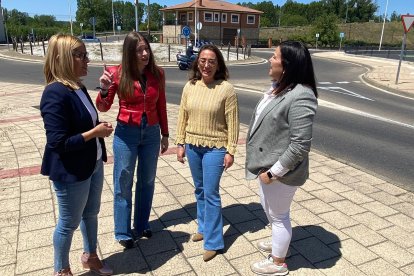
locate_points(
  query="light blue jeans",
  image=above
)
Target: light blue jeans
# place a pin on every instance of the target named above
(206, 165)
(78, 203)
(132, 142)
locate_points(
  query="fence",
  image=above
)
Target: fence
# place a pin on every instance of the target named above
(386, 52)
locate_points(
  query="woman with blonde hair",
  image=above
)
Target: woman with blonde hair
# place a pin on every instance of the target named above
(74, 152)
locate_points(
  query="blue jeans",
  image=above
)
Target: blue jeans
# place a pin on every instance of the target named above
(78, 203)
(206, 165)
(132, 142)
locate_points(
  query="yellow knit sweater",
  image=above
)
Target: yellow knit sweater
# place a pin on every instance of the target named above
(209, 115)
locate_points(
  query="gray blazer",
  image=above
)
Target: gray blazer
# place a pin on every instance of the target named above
(283, 132)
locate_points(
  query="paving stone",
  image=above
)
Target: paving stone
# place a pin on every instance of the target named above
(365, 188)
(385, 198)
(9, 205)
(409, 269)
(9, 193)
(242, 264)
(348, 207)
(327, 171)
(326, 195)
(311, 186)
(365, 177)
(237, 246)
(379, 208)
(253, 230)
(314, 250)
(35, 222)
(398, 236)
(402, 221)
(372, 221)
(354, 252)
(237, 214)
(163, 240)
(338, 267)
(128, 262)
(326, 233)
(181, 227)
(338, 219)
(405, 208)
(305, 217)
(391, 189)
(163, 199)
(9, 219)
(239, 191)
(356, 197)
(171, 212)
(168, 263)
(336, 186)
(34, 259)
(301, 195)
(344, 178)
(218, 266)
(350, 171)
(35, 239)
(317, 206)
(363, 235)
(319, 177)
(181, 189)
(172, 179)
(380, 267)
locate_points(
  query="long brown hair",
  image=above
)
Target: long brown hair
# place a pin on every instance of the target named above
(129, 72)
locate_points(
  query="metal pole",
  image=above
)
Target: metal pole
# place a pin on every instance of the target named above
(346, 13)
(113, 17)
(195, 23)
(383, 25)
(70, 15)
(136, 16)
(148, 19)
(401, 56)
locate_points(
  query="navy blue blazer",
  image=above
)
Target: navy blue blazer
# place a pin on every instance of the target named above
(67, 157)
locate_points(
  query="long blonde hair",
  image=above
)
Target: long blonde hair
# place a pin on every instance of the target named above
(59, 61)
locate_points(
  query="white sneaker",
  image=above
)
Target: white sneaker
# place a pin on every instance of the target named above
(268, 267)
(266, 246)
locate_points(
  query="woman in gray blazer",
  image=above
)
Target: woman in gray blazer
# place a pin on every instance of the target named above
(278, 145)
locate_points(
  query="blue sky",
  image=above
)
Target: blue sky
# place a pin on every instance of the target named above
(60, 8)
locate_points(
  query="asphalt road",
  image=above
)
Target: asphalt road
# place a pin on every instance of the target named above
(355, 123)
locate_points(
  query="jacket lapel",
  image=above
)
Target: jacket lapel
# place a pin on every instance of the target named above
(273, 103)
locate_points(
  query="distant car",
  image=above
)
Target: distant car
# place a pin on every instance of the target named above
(90, 38)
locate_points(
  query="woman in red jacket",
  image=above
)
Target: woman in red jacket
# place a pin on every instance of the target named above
(141, 121)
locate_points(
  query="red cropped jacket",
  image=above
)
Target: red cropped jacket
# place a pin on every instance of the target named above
(152, 102)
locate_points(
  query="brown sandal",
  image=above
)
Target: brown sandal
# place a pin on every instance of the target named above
(92, 262)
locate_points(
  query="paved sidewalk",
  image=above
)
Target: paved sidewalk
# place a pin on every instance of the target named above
(346, 222)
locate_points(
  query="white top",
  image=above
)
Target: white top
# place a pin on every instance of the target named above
(277, 169)
(94, 117)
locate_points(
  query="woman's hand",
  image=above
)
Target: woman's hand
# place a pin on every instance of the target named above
(103, 129)
(164, 144)
(106, 79)
(181, 154)
(265, 178)
(228, 161)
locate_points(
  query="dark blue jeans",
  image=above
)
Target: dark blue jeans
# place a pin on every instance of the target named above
(132, 143)
(206, 165)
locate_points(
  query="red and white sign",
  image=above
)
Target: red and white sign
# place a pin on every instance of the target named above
(408, 22)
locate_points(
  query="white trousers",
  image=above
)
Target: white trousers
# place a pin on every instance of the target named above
(276, 199)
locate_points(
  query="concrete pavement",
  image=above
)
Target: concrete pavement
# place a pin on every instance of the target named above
(345, 221)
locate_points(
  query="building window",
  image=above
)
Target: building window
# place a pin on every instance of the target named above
(190, 16)
(224, 17)
(208, 17)
(183, 18)
(235, 18)
(216, 17)
(251, 19)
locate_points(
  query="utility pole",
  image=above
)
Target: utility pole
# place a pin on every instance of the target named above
(113, 17)
(136, 16)
(383, 25)
(148, 19)
(195, 23)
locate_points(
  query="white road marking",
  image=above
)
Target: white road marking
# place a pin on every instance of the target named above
(342, 108)
(340, 90)
(325, 82)
(342, 82)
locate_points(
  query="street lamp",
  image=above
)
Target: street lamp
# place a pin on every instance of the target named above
(195, 23)
(70, 16)
(383, 25)
(136, 16)
(113, 17)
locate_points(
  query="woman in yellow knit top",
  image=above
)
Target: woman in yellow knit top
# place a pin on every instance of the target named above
(207, 132)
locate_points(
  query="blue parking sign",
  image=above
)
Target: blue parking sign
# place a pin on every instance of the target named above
(186, 31)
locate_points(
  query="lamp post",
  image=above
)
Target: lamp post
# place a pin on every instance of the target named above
(70, 16)
(113, 17)
(136, 16)
(195, 23)
(383, 25)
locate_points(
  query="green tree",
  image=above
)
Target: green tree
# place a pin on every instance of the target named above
(395, 16)
(326, 26)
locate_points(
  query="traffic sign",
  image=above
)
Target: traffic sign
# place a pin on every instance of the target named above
(317, 35)
(341, 35)
(199, 26)
(408, 21)
(92, 20)
(186, 31)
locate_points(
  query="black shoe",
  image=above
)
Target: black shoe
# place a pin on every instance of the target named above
(128, 244)
(147, 233)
